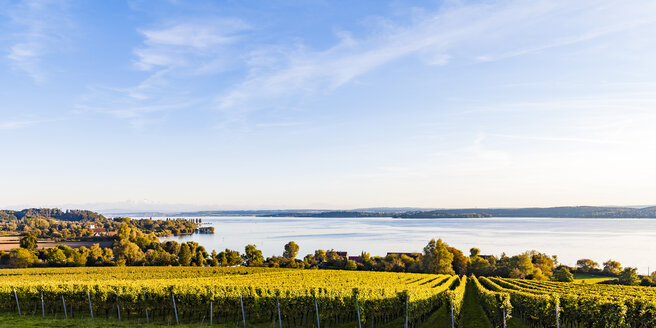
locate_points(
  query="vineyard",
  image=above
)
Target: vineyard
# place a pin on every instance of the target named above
(261, 297)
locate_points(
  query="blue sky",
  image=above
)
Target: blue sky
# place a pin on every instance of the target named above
(327, 104)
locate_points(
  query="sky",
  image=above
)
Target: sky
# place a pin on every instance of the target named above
(327, 104)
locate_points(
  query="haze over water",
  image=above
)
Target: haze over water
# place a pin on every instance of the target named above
(629, 241)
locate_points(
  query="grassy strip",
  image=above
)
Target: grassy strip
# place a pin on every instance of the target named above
(473, 315)
(439, 319)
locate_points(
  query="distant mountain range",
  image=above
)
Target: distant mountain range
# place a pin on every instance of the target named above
(407, 212)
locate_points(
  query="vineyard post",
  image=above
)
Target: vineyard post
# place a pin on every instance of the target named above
(17, 304)
(146, 306)
(243, 314)
(407, 299)
(175, 309)
(118, 309)
(279, 317)
(90, 306)
(557, 313)
(316, 307)
(65, 310)
(453, 324)
(504, 316)
(357, 307)
(43, 308)
(211, 312)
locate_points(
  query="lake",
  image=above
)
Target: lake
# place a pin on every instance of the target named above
(632, 242)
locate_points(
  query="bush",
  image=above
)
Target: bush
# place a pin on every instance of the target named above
(564, 275)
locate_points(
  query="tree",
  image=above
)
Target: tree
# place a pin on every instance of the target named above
(320, 255)
(479, 266)
(291, 250)
(28, 241)
(127, 252)
(351, 265)
(474, 252)
(21, 258)
(612, 267)
(586, 265)
(185, 255)
(55, 256)
(460, 261)
(214, 261)
(253, 256)
(628, 276)
(563, 275)
(437, 258)
(124, 232)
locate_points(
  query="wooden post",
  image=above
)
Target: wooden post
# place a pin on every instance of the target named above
(211, 312)
(175, 309)
(453, 323)
(357, 307)
(279, 317)
(146, 306)
(65, 310)
(316, 307)
(118, 309)
(90, 306)
(43, 307)
(407, 313)
(557, 313)
(243, 314)
(17, 304)
(504, 316)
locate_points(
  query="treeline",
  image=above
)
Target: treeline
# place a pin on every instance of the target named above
(76, 224)
(136, 248)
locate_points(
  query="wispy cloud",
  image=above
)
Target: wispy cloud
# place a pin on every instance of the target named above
(8, 125)
(37, 29)
(196, 45)
(458, 32)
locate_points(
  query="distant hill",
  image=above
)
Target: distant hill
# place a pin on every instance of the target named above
(409, 212)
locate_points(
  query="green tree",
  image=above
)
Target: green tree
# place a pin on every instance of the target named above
(28, 241)
(460, 261)
(21, 258)
(291, 250)
(351, 265)
(474, 252)
(55, 256)
(437, 258)
(628, 276)
(586, 265)
(563, 275)
(185, 255)
(253, 256)
(320, 255)
(214, 259)
(612, 267)
(127, 252)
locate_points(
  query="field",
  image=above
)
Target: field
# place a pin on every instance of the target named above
(586, 278)
(261, 297)
(7, 243)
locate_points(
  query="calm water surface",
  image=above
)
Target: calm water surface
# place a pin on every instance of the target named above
(630, 241)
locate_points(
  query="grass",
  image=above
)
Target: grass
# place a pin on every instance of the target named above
(587, 278)
(473, 315)
(439, 319)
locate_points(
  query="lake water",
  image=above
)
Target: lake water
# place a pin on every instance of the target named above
(630, 241)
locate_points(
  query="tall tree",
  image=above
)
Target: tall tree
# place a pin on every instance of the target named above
(586, 265)
(612, 267)
(437, 258)
(185, 255)
(28, 241)
(291, 250)
(253, 256)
